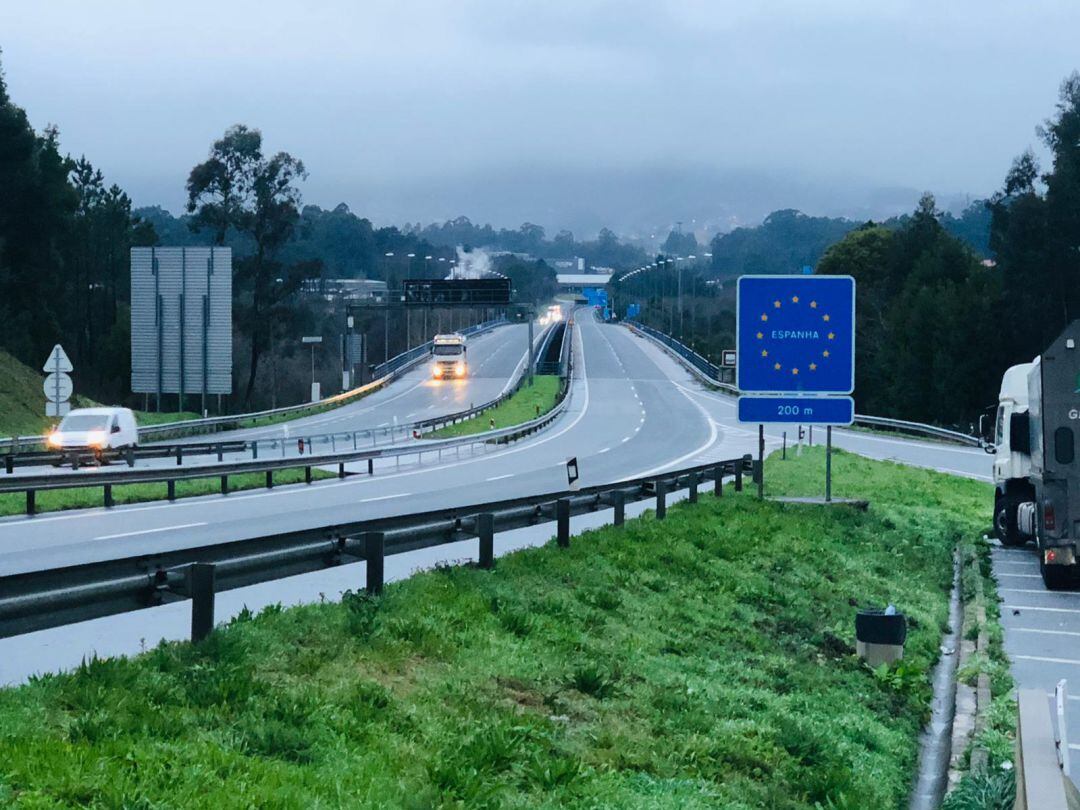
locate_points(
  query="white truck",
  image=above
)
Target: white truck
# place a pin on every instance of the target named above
(1036, 475)
(449, 357)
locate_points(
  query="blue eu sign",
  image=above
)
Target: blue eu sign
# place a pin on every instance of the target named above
(796, 334)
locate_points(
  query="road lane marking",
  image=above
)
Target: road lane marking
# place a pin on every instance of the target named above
(500, 477)
(386, 497)
(1044, 632)
(1044, 660)
(1025, 576)
(149, 531)
(1036, 590)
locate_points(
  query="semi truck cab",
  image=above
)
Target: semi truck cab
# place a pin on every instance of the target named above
(449, 357)
(1036, 473)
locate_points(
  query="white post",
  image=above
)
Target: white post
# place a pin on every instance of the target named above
(1061, 699)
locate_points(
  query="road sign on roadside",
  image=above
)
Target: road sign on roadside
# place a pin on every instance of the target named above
(797, 410)
(796, 334)
(57, 385)
(728, 358)
(58, 361)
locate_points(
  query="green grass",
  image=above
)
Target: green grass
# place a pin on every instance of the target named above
(526, 403)
(146, 418)
(22, 401)
(14, 503)
(705, 661)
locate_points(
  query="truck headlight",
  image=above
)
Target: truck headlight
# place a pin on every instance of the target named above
(459, 369)
(436, 370)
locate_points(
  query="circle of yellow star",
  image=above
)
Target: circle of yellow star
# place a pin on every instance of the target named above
(776, 366)
(794, 299)
(825, 353)
(760, 335)
(764, 317)
(764, 352)
(776, 304)
(794, 371)
(813, 366)
(813, 305)
(825, 317)
(832, 335)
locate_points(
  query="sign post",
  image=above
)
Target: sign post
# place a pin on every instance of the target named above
(795, 353)
(57, 386)
(313, 341)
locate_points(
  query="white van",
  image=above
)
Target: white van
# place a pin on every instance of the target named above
(95, 430)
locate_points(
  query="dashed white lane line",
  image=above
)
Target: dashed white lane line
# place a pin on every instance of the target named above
(1033, 590)
(500, 477)
(150, 531)
(386, 497)
(1070, 633)
(1045, 660)
(1000, 574)
(598, 452)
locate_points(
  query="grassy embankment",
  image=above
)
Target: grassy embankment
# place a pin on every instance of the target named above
(522, 406)
(703, 662)
(22, 402)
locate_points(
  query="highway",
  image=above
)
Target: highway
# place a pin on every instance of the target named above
(633, 411)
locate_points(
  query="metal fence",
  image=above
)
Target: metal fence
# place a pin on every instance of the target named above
(40, 599)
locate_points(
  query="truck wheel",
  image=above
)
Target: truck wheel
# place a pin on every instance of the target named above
(1005, 526)
(1057, 577)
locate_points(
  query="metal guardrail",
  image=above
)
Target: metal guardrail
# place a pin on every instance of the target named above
(709, 373)
(306, 441)
(41, 599)
(385, 373)
(108, 479)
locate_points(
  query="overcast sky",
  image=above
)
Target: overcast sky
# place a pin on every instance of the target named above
(395, 105)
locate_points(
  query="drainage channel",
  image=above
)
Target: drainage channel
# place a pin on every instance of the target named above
(935, 742)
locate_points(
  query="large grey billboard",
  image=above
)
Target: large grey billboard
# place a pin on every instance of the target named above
(181, 320)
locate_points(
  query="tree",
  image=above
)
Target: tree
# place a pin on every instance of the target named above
(239, 189)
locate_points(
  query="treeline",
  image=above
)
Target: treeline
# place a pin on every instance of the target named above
(789, 240)
(936, 327)
(64, 271)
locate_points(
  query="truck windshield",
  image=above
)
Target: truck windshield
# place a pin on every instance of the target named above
(85, 421)
(448, 350)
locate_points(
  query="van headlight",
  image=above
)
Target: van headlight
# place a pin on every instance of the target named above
(53, 440)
